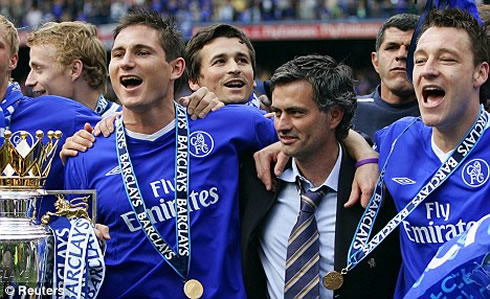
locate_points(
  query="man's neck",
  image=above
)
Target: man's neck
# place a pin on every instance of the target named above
(448, 137)
(394, 99)
(150, 120)
(86, 95)
(317, 168)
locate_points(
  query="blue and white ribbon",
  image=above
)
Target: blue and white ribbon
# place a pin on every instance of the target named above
(178, 260)
(79, 260)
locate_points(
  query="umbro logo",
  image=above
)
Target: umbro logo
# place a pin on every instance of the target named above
(403, 181)
(114, 171)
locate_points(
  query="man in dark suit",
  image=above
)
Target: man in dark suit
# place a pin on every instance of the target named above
(313, 101)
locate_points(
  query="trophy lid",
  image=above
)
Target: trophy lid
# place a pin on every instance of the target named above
(25, 167)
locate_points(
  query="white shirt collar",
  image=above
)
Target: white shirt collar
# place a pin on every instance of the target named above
(154, 136)
(332, 181)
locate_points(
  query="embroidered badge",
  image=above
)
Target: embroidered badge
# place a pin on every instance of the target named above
(202, 144)
(475, 173)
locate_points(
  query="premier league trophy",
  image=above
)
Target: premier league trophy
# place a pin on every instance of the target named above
(27, 247)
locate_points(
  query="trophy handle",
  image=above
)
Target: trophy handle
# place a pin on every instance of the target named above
(74, 208)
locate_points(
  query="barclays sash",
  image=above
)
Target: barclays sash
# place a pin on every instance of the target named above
(360, 247)
(178, 260)
(79, 267)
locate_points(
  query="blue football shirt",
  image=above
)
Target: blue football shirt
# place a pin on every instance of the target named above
(444, 214)
(134, 267)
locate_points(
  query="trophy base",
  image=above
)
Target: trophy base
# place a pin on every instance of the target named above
(26, 259)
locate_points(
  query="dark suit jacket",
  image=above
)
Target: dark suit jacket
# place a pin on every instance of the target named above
(374, 277)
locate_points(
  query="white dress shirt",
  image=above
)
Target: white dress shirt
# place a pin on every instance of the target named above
(280, 222)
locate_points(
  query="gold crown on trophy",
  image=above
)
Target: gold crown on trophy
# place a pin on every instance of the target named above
(23, 166)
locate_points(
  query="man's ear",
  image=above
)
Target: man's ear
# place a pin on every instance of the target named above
(178, 68)
(193, 85)
(336, 115)
(13, 62)
(374, 61)
(76, 69)
(480, 76)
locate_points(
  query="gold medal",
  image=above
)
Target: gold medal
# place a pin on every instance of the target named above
(333, 280)
(193, 289)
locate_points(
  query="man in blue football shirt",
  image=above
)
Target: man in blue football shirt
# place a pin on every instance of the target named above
(67, 59)
(186, 173)
(450, 144)
(19, 112)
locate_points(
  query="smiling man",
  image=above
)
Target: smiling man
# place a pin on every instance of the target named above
(449, 146)
(221, 58)
(67, 59)
(313, 101)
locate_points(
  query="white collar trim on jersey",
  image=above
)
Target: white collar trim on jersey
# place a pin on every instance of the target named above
(440, 153)
(154, 136)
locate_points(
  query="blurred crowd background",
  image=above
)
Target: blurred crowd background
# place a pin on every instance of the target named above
(29, 14)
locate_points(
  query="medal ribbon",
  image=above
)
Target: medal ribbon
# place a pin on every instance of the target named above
(360, 247)
(79, 267)
(178, 260)
(102, 105)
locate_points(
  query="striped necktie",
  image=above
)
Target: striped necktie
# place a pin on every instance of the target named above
(303, 257)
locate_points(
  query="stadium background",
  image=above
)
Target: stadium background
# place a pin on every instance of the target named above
(279, 29)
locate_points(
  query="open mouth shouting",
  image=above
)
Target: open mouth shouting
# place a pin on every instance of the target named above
(432, 95)
(130, 81)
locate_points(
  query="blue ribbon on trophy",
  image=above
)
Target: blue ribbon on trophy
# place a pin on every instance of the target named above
(79, 267)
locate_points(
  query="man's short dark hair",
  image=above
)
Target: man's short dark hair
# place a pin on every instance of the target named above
(455, 18)
(204, 37)
(332, 83)
(170, 37)
(404, 22)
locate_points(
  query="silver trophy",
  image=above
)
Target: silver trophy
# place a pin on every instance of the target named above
(26, 246)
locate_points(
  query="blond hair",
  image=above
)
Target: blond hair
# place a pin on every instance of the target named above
(11, 35)
(75, 40)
